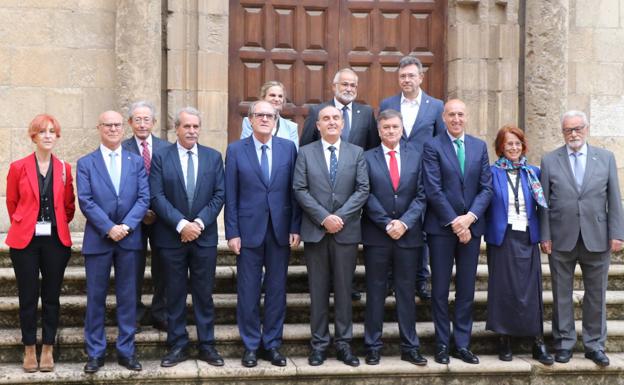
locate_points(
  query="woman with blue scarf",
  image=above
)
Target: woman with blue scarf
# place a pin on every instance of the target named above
(515, 306)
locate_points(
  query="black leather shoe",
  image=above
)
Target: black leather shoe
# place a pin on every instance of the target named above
(317, 357)
(356, 295)
(563, 355)
(414, 357)
(504, 348)
(274, 356)
(211, 356)
(174, 357)
(422, 292)
(540, 353)
(441, 355)
(130, 363)
(599, 357)
(249, 359)
(93, 364)
(466, 355)
(159, 325)
(372, 357)
(347, 357)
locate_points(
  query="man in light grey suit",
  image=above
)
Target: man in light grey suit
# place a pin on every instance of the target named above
(584, 223)
(331, 186)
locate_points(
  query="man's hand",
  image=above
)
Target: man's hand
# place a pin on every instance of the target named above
(117, 233)
(616, 245)
(234, 245)
(333, 224)
(395, 229)
(190, 232)
(294, 240)
(465, 236)
(150, 217)
(462, 223)
(546, 246)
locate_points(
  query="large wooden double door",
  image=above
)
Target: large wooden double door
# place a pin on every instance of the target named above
(303, 43)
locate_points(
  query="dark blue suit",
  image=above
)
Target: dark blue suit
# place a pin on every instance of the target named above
(104, 209)
(263, 216)
(158, 299)
(169, 201)
(381, 252)
(450, 194)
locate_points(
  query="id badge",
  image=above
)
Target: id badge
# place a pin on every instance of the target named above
(518, 224)
(43, 229)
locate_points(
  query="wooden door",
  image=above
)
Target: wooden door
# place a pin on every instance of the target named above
(303, 43)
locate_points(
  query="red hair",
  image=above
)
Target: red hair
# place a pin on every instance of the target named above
(41, 122)
(499, 142)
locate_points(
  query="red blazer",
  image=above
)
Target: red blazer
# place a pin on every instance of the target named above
(22, 200)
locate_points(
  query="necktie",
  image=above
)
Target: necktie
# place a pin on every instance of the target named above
(347, 124)
(147, 159)
(190, 179)
(264, 164)
(333, 164)
(114, 174)
(394, 170)
(460, 154)
(579, 170)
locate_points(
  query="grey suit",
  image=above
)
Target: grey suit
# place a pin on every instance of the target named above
(330, 253)
(580, 223)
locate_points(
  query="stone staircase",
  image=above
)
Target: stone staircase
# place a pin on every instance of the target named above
(151, 343)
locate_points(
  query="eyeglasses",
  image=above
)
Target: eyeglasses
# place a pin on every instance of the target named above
(347, 84)
(111, 125)
(569, 130)
(262, 115)
(138, 120)
(408, 76)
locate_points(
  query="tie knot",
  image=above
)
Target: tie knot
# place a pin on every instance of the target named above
(458, 142)
(190, 153)
(264, 147)
(576, 154)
(144, 143)
(113, 154)
(391, 153)
(331, 148)
(345, 108)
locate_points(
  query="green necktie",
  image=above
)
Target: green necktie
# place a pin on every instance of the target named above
(460, 154)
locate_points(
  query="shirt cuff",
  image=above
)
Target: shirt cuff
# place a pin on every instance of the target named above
(404, 225)
(200, 223)
(181, 224)
(474, 216)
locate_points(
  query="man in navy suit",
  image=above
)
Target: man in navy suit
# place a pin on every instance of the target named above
(458, 185)
(141, 118)
(188, 190)
(422, 118)
(392, 236)
(262, 222)
(112, 236)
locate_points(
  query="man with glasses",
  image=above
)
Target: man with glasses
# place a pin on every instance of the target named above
(142, 118)
(584, 223)
(262, 222)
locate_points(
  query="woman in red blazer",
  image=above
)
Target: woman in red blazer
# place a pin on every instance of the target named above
(40, 202)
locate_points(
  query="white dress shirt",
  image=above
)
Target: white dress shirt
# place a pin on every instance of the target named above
(582, 158)
(397, 155)
(269, 151)
(409, 110)
(149, 145)
(183, 154)
(327, 153)
(107, 159)
(339, 106)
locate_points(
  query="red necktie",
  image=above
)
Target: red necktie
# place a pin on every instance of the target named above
(147, 160)
(394, 170)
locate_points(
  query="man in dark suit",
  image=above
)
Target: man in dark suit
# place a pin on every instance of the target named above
(262, 222)
(584, 223)
(458, 185)
(112, 236)
(331, 186)
(422, 118)
(392, 235)
(188, 190)
(142, 117)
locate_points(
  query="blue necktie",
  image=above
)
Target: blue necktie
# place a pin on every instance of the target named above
(264, 164)
(579, 171)
(114, 174)
(347, 124)
(333, 164)
(190, 179)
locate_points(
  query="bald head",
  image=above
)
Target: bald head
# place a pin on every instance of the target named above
(455, 117)
(110, 126)
(330, 123)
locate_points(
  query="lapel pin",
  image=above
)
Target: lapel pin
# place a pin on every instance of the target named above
(357, 111)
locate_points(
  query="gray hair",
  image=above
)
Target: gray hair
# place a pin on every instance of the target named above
(252, 106)
(575, 114)
(389, 114)
(348, 70)
(140, 104)
(411, 60)
(189, 110)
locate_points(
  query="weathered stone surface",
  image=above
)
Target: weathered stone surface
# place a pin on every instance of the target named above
(597, 13)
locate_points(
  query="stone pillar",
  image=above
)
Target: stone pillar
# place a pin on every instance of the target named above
(546, 73)
(138, 54)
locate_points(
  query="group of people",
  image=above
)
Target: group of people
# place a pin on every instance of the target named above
(411, 186)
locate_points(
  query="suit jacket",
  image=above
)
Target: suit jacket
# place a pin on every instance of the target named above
(406, 204)
(496, 217)
(595, 211)
(130, 144)
(363, 131)
(249, 202)
(287, 130)
(22, 200)
(428, 122)
(449, 193)
(318, 198)
(169, 200)
(103, 208)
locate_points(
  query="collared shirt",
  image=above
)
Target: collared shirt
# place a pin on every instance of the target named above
(269, 151)
(452, 138)
(327, 153)
(339, 106)
(582, 158)
(409, 110)
(140, 146)
(106, 155)
(397, 155)
(183, 154)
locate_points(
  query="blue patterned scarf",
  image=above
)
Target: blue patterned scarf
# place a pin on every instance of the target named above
(534, 183)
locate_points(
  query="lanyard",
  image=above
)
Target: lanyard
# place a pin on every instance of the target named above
(515, 190)
(44, 189)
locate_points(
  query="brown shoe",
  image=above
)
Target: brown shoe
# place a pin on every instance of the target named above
(46, 363)
(30, 358)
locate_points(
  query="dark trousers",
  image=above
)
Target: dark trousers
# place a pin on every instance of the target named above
(446, 250)
(402, 261)
(200, 263)
(98, 268)
(328, 261)
(422, 273)
(158, 307)
(48, 256)
(274, 258)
